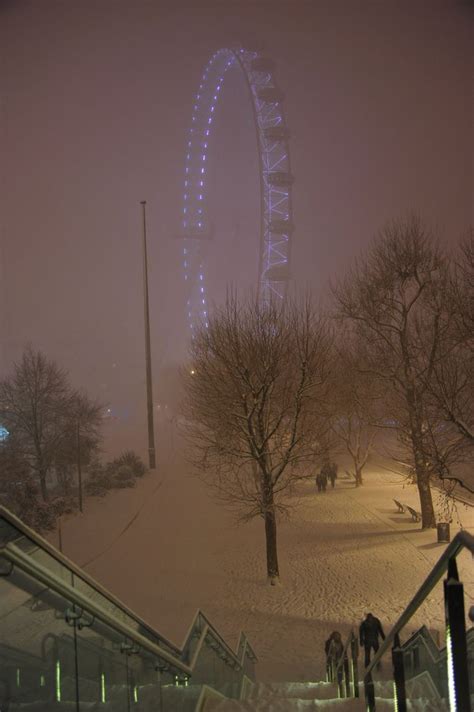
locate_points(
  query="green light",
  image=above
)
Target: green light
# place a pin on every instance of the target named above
(395, 698)
(58, 681)
(186, 682)
(135, 693)
(42, 681)
(102, 688)
(176, 681)
(450, 663)
(18, 677)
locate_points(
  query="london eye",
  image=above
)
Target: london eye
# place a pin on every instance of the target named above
(272, 143)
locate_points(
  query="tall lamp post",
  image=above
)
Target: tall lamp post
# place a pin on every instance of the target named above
(149, 387)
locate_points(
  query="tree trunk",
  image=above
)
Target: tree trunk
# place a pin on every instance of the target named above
(273, 572)
(428, 519)
(79, 468)
(358, 476)
(44, 489)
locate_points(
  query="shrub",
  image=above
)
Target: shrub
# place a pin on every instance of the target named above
(99, 480)
(43, 517)
(123, 477)
(64, 505)
(25, 501)
(99, 485)
(119, 473)
(133, 461)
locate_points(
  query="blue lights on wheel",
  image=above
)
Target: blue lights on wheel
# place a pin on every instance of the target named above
(275, 178)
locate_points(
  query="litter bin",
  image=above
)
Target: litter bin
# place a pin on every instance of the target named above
(443, 531)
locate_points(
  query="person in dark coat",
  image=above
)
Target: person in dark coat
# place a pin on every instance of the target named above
(334, 648)
(370, 631)
(333, 473)
(324, 480)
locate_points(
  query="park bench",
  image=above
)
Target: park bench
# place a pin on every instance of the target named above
(400, 506)
(414, 514)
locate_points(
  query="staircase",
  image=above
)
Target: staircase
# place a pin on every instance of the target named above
(295, 697)
(68, 644)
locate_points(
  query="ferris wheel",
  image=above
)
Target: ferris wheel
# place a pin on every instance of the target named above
(272, 134)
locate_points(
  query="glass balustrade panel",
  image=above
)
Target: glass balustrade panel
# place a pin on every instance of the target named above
(32, 622)
(102, 666)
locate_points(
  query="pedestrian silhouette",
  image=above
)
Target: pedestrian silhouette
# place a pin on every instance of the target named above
(370, 631)
(334, 648)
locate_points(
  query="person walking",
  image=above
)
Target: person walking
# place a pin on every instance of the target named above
(370, 631)
(334, 649)
(333, 473)
(324, 480)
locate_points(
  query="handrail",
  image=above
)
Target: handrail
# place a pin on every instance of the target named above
(204, 626)
(344, 651)
(246, 647)
(40, 573)
(462, 540)
(23, 560)
(223, 643)
(62, 559)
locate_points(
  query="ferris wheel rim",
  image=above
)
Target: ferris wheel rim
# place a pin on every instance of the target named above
(275, 178)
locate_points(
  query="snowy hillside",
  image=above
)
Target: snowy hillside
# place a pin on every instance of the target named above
(343, 553)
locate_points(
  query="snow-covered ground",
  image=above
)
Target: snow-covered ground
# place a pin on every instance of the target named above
(342, 553)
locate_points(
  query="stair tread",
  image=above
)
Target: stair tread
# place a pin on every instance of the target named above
(284, 704)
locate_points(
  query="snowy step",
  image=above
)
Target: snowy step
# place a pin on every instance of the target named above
(300, 690)
(307, 696)
(285, 704)
(292, 696)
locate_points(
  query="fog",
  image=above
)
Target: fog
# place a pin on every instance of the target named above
(96, 101)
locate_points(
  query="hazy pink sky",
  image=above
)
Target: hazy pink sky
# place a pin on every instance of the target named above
(96, 100)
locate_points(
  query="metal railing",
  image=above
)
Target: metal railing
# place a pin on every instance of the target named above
(346, 673)
(457, 660)
(454, 657)
(36, 578)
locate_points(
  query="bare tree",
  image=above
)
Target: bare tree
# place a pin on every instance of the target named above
(80, 441)
(464, 289)
(355, 422)
(38, 406)
(394, 300)
(452, 384)
(255, 406)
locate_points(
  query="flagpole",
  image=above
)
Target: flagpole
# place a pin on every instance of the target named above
(149, 387)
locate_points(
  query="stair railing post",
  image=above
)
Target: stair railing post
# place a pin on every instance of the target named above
(456, 646)
(355, 666)
(399, 690)
(340, 681)
(369, 693)
(347, 678)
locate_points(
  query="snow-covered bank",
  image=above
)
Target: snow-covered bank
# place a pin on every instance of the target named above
(342, 553)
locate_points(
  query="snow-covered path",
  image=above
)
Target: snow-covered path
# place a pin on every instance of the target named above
(342, 553)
